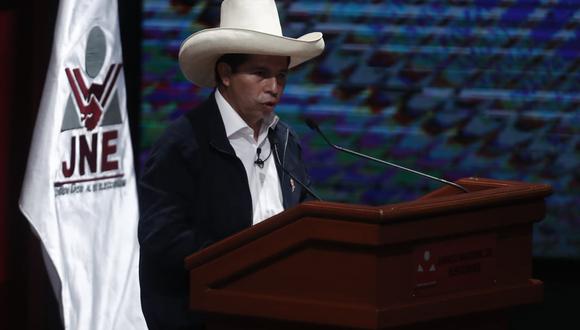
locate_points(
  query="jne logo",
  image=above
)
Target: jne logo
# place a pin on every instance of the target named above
(91, 113)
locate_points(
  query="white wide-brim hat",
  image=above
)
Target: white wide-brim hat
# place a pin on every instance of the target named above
(246, 27)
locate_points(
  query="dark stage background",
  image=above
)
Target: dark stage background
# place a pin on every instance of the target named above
(453, 88)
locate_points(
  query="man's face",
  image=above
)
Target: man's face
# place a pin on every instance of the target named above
(255, 88)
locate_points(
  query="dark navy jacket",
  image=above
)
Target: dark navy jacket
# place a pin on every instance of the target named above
(194, 192)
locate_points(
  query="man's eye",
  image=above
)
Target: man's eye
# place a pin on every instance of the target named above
(282, 76)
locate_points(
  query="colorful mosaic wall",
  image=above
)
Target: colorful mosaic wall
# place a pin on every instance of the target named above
(482, 88)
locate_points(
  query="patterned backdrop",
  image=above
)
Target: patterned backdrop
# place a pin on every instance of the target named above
(483, 88)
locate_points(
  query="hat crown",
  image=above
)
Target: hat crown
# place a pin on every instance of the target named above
(256, 15)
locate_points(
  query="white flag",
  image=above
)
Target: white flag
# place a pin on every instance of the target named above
(79, 193)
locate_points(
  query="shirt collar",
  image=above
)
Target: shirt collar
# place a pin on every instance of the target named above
(233, 123)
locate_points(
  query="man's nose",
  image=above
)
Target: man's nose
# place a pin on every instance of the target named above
(272, 86)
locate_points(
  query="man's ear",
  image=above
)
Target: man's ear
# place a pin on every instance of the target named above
(224, 73)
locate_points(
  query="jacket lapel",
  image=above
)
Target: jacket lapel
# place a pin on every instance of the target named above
(215, 126)
(287, 160)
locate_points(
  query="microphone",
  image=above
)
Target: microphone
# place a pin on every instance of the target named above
(259, 161)
(315, 127)
(274, 141)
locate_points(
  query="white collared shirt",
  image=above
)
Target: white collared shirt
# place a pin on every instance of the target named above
(264, 183)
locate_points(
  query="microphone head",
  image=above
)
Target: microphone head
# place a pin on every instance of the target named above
(312, 124)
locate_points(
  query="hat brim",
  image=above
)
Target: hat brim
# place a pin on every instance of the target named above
(199, 53)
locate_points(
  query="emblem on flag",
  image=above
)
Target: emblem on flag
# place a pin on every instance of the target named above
(93, 102)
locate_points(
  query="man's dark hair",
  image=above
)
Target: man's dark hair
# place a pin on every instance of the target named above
(233, 60)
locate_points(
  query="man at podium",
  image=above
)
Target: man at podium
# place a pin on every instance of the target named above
(225, 165)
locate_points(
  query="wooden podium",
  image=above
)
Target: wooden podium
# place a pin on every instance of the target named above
(449, 260)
